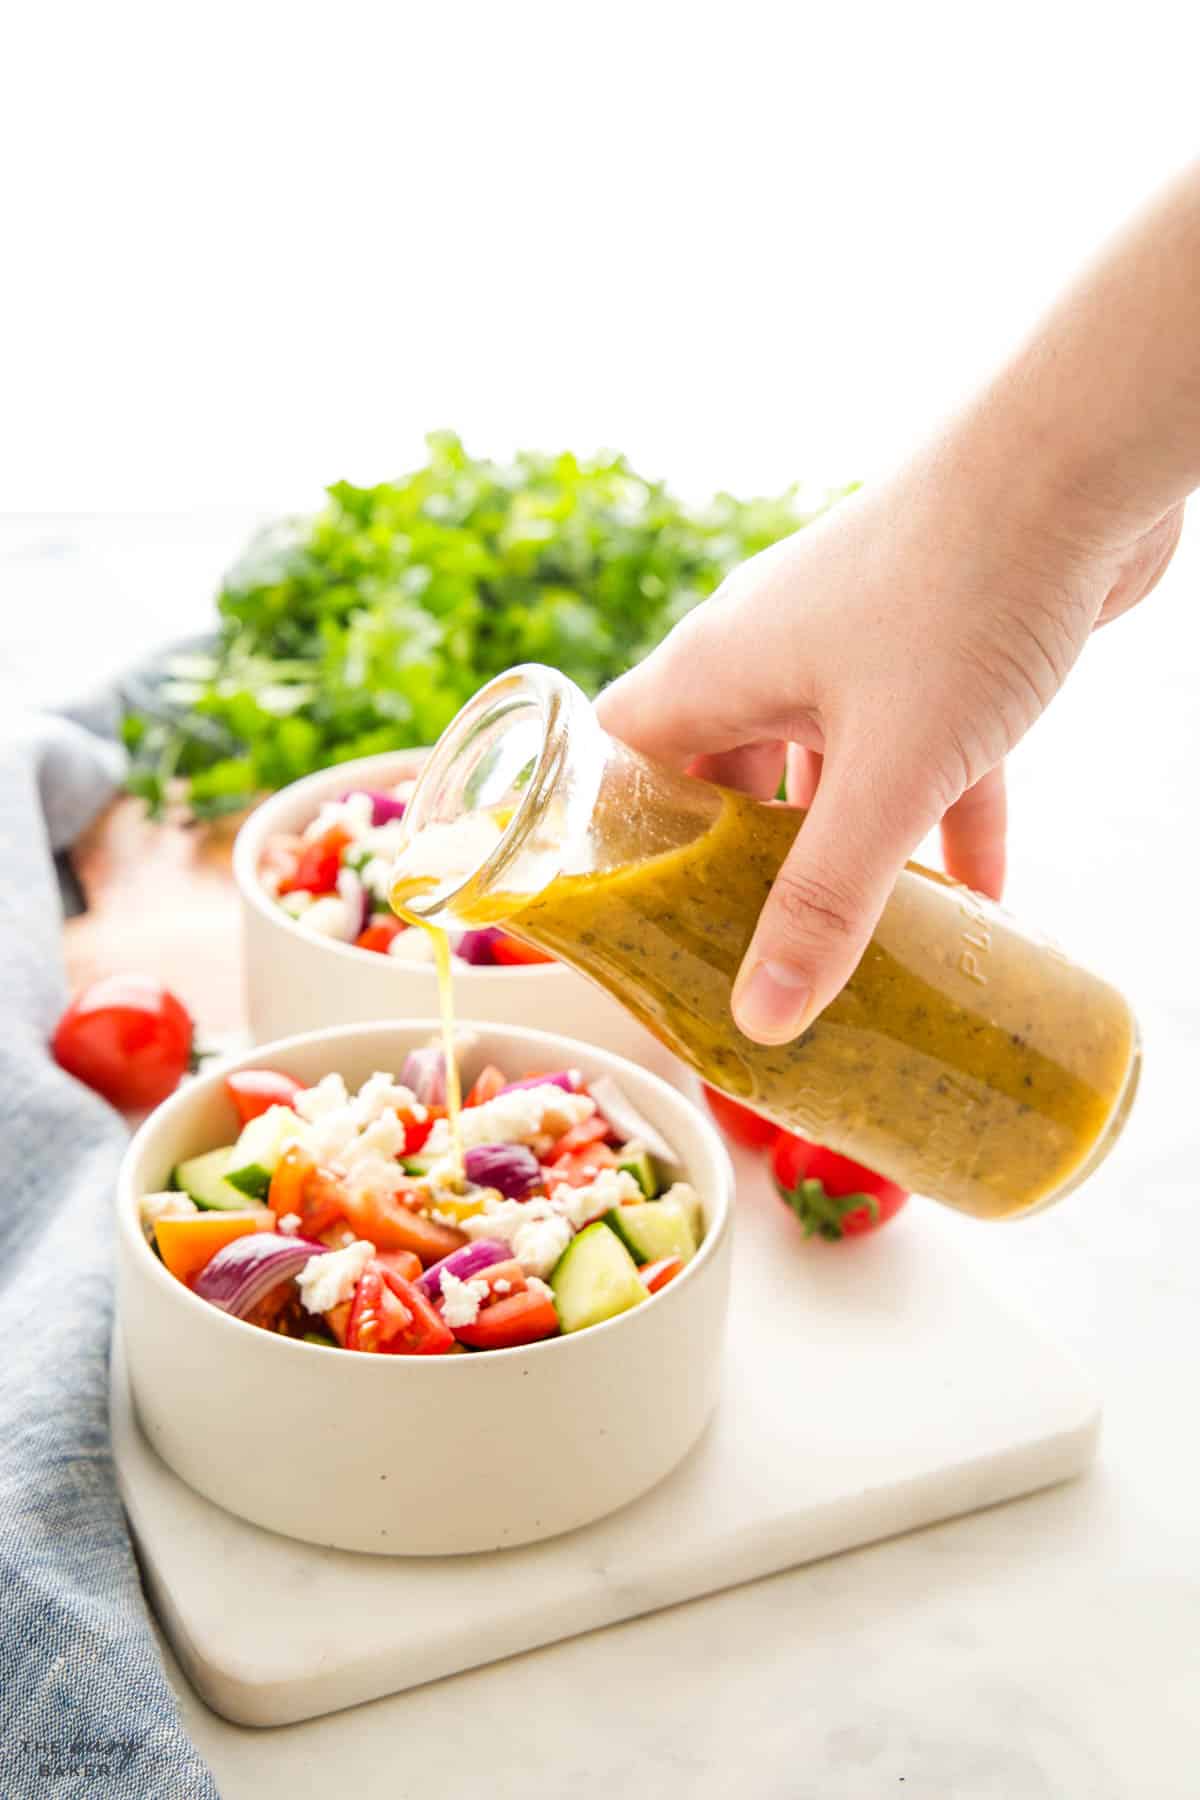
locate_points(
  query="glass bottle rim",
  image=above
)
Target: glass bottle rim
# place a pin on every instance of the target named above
(555, 750)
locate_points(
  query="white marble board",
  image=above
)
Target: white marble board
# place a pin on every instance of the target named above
(872, 1387)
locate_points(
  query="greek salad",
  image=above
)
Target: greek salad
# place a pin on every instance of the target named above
(346, 1220)
(332, 880)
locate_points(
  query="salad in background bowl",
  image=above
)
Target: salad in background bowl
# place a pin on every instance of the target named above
(406, 1448)
(303, 972)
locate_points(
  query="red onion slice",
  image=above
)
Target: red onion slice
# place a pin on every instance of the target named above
(512, 1169)
(462, 1263)
(239, 1275)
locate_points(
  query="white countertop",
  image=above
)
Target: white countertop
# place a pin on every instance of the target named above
(1043, 1651)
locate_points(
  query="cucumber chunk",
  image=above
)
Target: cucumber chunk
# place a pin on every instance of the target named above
(637, 1161)
(594, 1279)
(654, 1229)
(263, 1139)
(203, 1179)
(253, 1180)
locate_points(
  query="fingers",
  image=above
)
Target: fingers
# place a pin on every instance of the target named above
(754, 769)
(1145, 567)
(803, 774)
(973, 835)
(865, 821)
(671, 705)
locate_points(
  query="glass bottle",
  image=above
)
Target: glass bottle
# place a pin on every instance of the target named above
(966, 1059)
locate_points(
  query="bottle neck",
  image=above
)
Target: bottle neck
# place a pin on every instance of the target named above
(504, 800)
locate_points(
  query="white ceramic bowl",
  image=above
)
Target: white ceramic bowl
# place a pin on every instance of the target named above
(420, 1456)
(297, 981)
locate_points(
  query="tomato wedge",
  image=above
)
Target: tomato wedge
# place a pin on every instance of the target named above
(299, 1186)
(365, 1327)
(588, 1131)
(487, 1084)
(424, 1332)
(402, 1263)
(523, 1318)
(319, 864)
(582, 1167)
(391, 1225)
(379, 934)
(657, 1274)
(255, 1091)
(416, 1131)
(512, 951)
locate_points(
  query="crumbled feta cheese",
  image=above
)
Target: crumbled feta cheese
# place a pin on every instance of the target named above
(328, 1096)
(297, 902)
(169, 1205)
(501, 1286)
(353, 815)
(515, 1118)
(541, 1288)
(325, 1281)
(329, 917)
(289, 1224)
(375, 875)
(611, 1187)
(538, 1243)
(461, 1300)
(502, 1219)
(380, 1094)
(383, 1137)
(412, 946)
(376, 1176)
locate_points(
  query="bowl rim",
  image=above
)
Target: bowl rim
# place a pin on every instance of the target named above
(258, 825)
(130, 1188)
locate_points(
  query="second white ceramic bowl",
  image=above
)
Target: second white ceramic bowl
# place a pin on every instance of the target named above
(297, 981)
(420, 1456)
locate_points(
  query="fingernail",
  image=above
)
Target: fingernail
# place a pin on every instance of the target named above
(772, 1004)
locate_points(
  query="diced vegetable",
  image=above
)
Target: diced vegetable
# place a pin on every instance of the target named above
(247, 1268)
(637, 1161)
(254, 1091)
(463, 1263)
(313, 1195)
(489, 1082)
(262, 1138)
(476, 947)
(628, 1122)
(595, 1279)
(384, 806)
(653, 1229)
(657, 1274)
(512, 1169)
(254, 1181)
(203, 1179)
(378, 934)
(187, 1245)
(568, 1079)
(524, 1318)
(424, 1072)
(390, 1225)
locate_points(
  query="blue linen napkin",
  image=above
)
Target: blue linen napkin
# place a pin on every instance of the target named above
(85, 1707)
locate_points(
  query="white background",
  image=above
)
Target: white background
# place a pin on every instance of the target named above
(248, 251)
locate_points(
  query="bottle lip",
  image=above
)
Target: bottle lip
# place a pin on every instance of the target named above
(563, 736)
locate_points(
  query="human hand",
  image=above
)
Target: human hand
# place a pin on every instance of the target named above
(892, 654)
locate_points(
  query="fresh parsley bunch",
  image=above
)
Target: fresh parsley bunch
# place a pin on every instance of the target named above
(367, 627)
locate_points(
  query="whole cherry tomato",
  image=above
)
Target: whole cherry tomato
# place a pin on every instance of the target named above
(831, 1196)
(739, 1123)
(128, 1037)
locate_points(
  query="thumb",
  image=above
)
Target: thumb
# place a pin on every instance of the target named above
(864, 823)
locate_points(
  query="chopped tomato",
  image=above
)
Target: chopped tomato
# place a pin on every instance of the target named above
(391, 1225)
(739, 1122)
(487, 1084)
(255, 1091)
(657, 1274)
(337, 1235)
(364, 1329)
(401, 1262)
(423, 1332)
(510, 1271)
(512, 951)
(338, 1320)
(379, 934)
(299, 1186)
(588, 1131)
(417, 1130)
(517, 1319)
(280, 1309)
(831, 1196)
(583, 1166)
(319, 864)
